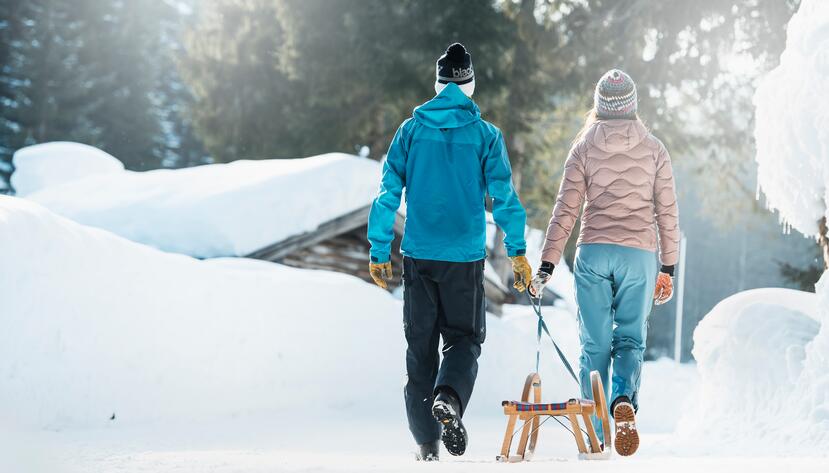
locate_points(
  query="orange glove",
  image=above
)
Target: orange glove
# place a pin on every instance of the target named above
(664, 290)
(380, 272)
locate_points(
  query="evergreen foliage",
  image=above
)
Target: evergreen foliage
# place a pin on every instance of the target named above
(100, 72)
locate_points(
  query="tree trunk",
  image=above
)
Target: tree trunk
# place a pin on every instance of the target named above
(514, 124)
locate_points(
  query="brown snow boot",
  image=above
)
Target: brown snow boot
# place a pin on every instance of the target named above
(624, 418)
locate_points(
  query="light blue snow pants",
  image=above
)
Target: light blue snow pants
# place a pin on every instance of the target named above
(614, 292)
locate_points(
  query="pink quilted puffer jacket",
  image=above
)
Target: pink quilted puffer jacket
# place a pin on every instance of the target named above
(622, 175)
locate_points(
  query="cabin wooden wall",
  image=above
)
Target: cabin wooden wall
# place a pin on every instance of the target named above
(344, 253)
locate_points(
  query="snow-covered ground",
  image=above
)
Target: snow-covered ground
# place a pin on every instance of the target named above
(96, 326)
(126, 326)
(118, 357)
(234, 365)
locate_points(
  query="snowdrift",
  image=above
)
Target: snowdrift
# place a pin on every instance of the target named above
(219, 210)
(52, 164)
(792, 123)
(764, 372)
(762, 354)
(213, 210)
(95, 325)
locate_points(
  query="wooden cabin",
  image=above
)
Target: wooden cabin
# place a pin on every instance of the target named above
(341, 245)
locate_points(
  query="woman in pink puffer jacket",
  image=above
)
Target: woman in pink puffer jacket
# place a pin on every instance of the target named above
(621, 175)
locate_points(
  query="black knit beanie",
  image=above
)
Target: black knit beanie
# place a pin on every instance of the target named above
(455, 66)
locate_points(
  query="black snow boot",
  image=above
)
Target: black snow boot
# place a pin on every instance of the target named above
(447, 411)
(429, 452)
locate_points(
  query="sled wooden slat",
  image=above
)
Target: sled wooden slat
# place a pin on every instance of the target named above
(530, 413)
(574, 423)
(508, 437)
(602, 410)
(573, 406)
(591, 434)
(532, 383)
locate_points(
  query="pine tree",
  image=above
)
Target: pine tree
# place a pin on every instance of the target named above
(117, 57)
(12, 16)
(41, 94)
(316, 76)
(245, 105)
(101, 72)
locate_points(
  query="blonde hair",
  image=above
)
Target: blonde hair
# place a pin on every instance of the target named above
(590, 119)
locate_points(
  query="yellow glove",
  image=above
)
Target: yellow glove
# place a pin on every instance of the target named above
(380, 272)
(522, 272)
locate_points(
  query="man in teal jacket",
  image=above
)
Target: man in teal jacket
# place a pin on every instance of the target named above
(448, 159)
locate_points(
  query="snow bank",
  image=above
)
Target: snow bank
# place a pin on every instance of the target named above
(792, 122)
(762, 354)
(811, 394)
(52, 164)
(764, 372)
(218, 209)
(93, 324)
(221, 209)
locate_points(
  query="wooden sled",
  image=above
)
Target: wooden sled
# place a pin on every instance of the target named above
(530, 414)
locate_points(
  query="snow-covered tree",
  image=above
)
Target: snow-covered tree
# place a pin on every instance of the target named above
(792, 127)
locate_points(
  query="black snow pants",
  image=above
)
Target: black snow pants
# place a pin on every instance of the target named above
(441, 299)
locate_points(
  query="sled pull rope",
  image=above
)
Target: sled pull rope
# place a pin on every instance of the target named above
(542, 327)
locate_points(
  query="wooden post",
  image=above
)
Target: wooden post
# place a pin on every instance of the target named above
(680, 297)
(823, 241)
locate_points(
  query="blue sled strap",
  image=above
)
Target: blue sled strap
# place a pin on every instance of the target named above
(542, 327)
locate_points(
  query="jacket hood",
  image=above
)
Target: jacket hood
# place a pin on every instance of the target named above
(451, 108)
(616, 136)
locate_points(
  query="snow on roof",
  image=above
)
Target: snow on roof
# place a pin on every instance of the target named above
(792, 123)
(217, 210)
(51, 164)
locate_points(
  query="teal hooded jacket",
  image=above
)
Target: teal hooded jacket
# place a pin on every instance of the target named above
(448, 159)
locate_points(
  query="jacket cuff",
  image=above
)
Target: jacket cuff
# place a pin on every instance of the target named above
(378, 258)
(518, 252)
(667, 269)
